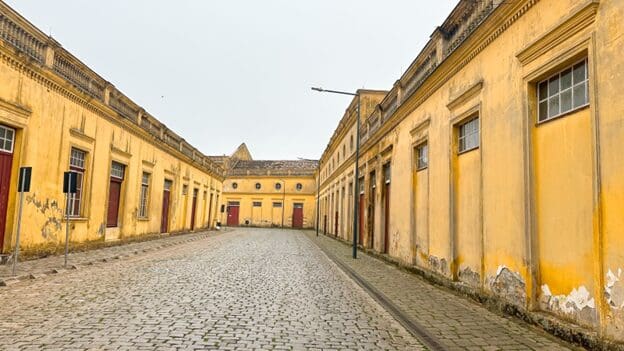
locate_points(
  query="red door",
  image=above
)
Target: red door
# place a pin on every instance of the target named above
(386, 218)
(193, 208)
(371, 219)
(210, 212)
(297, 217)
(336, 224)
(6, 160)
(325, 224)
(232, 215)
(361, 220)
(114, 194)
(164, 220)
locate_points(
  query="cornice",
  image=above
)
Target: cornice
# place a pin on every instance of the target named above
(77, 133)
(495, 25)
(582, 17)
(15, 108)
(45, 77)
(465, 95)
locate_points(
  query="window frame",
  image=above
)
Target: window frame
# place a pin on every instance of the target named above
(4, 139)
(461, 126)
(299, 186)
(560, 92)
(422, 162)
(144, 195)
(256, 204)
(258, 186)
(75, 211)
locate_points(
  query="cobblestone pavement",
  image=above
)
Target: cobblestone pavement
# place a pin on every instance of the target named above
(456, 322)
(248, 289)
(43, 266)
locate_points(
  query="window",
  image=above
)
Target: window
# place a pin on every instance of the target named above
(387, 173)
(7, 136)
(351, 143)
(299, 186)
(563, 92)
(257, 204)
(234, 185)
(143, 199)
(278, 186)
(422, 154)
(168, 184)
(185, 189)
(117, 170)
(258, 186)
(469, 135)
(344, 150)
(277, 204)
(76, 164)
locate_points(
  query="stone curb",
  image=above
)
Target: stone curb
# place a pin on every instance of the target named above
(562, 330)
(9, 281)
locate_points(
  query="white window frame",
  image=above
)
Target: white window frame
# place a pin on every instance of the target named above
(77, 165)
(557, 96)
(144, 195)
(468, 140)
(422, 156)
(7, 136)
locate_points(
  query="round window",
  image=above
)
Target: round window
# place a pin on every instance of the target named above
(234, 185)
(299, 186)
(278, 186)
(258, 186)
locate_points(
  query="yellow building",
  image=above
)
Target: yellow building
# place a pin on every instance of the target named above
(135, 175)
(496, 158)
(263, 193)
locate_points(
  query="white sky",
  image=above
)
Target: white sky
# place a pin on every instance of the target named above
(224, 72)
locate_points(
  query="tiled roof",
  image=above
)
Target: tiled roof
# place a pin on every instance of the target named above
(274, 167)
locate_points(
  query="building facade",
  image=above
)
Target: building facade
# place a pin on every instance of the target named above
(496, 159)
(135, 176)
(268, 193)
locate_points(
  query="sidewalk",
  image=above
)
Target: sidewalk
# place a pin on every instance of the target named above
(38, 268)
(453, 321)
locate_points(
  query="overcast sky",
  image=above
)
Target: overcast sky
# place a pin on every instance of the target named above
(224, 72)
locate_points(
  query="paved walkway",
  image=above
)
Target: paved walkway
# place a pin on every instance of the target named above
(247, 289)
(50, 265)
(457, 323)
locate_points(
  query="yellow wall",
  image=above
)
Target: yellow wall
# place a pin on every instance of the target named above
(535, 214)
(266, 215)
(51, 117)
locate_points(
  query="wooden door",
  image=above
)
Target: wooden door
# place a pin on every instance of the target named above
(193, 209)
(386, 218)
(164, 220)
(210, 212)
(6, 161)
(325, 224)
(114, 193)
(297, 216)
(232, 215)
(336, 224)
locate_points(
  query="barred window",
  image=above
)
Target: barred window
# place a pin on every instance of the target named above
(422, 160)
(143, 199)
(76, 164)
(277, 204)
(563, 92)
(469, 135)
(257, 204)
(387, 173)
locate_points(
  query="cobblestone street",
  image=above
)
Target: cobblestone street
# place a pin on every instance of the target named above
(241, 290)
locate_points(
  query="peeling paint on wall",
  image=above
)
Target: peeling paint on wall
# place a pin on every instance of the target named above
(578, 305)
(509, 285)
(614, 290)
(468, 276)
(52, 213)
(439, 265)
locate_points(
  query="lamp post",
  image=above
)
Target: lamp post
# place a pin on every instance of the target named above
(357, 167)
(318, 198)
(283, 199)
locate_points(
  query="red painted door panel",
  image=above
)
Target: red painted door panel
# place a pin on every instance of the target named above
(232, 216)
(387, 219)
(164, 220)
(114, 193)
(336, 224)
(361, 220)
(297, 218)
(6, 160)
(193, 209)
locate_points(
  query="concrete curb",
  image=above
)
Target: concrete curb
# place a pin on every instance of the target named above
(563, 330)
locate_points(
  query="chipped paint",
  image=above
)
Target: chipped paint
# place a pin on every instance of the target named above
(614, 290)
(578, 305)
(468, 276)
(439, 265)
(509, 285)
(52, 213)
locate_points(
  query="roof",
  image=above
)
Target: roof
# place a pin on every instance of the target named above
(274, 167)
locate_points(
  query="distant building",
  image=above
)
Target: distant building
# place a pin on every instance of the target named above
(268, 193)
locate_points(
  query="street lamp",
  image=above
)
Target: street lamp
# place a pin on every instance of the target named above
(357, 159)
(283, 199)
